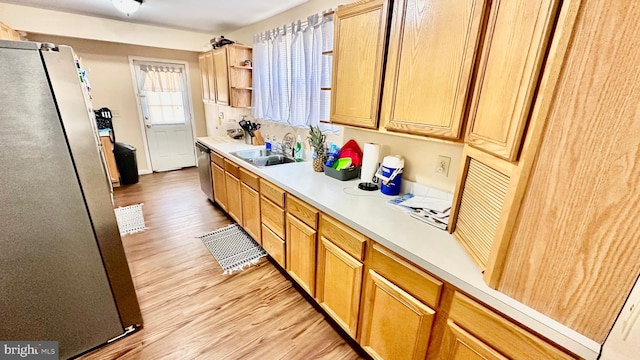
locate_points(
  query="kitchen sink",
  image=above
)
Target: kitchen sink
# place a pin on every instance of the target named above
(263, 157)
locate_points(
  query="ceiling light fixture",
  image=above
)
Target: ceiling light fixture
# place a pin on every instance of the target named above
(127, 6)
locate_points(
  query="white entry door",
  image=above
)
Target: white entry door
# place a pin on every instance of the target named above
(164, 103)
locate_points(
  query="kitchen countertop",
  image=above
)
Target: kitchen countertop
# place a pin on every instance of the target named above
(435, 250)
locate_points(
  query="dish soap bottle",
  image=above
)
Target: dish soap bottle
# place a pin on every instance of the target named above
(298, 152)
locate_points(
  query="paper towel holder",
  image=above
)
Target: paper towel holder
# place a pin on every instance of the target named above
(369, 186)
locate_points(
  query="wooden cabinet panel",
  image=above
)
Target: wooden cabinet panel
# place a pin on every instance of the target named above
(112, 167)
(252, 180)
(303, 211)
(219, 187)
(301, 253)
(432, 52)
(500, 333)
(394, 324)
(272, 216)
(221, 76)
(408, 277)
(272, 192)
(211, 74)
(274, 245)
(234, 197)
(204, 76)
(217, 159)
(460, 345)
(358, 55)
(251, 219)
(343, 236)
(339, 284)
(516, 43)
(232, 168)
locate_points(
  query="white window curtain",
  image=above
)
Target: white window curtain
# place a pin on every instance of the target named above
(163, 88)
(288, 72)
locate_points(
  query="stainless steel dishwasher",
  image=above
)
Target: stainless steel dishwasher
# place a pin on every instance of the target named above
(204, 168)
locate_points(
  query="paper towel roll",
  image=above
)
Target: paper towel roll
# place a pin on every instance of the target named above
(370, 160)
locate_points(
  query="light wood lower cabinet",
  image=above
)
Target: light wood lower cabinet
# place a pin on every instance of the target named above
(234, 197)
(301, 253)
(460, 345)
(339, 284)
(394, 324)
(219, 187)
(274, 245)
(491, 332)
(251, 212)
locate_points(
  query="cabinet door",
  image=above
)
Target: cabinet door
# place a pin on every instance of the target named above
(221, 76)
(251, 212)
(301, 253)
(272, 216)
(339, 284)
(515, 46)
(274, 245)
(234, 197)
(358, 54)
(432, 52)
(219, 187)
(387, 308)
(460, 345)
(204, 75)
(211, 76)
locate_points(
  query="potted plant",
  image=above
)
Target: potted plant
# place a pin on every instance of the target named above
(316, 141)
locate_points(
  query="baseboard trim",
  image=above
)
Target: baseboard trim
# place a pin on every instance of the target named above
(144, 172)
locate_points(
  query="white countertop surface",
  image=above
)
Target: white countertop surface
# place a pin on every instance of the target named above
(435, 250)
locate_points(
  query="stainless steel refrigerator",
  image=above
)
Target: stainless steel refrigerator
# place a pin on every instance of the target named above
(63, 272)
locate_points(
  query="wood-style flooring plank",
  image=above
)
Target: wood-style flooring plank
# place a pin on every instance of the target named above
(190, 309)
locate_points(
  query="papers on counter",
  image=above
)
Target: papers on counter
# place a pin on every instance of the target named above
(434, 208)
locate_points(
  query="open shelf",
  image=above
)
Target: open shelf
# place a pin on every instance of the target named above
(328, 52)
(242, 88)
(242, 67)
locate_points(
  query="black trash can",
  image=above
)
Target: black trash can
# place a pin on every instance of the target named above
(126, 162)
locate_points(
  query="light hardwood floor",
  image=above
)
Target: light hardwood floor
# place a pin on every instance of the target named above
(190, 309)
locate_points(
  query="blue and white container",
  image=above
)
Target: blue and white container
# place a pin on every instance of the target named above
(390, 173)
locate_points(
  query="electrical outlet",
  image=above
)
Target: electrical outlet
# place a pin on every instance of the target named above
(442, 166)
(630, 320)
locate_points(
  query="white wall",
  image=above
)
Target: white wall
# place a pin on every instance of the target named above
(58, 23)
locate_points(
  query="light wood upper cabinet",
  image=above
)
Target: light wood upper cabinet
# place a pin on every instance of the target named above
(240, 75)
(301, 253)
(204, 75)
(339, 284)
(514, 49)
(219, 187)
(431, 58)
(358, 61)
(387, 309)
(251, 212)
(221, 75)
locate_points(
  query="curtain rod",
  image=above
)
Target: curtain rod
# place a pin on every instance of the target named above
(289, 27)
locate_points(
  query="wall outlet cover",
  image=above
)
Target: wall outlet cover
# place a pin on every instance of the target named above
(442, 166)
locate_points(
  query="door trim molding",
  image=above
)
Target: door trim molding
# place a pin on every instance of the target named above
(139, 107)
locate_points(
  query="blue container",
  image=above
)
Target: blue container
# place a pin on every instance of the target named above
(391, 175)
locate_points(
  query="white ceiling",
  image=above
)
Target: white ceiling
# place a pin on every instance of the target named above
(210, 16)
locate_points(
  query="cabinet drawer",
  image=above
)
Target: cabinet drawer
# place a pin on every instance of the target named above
(273, 244)
(272, 192)
(232, 168)
(343, 236)
(217, 158)
(304, 212)
(500, 333)
(410, 278)
(272, 216)
(252, 180)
